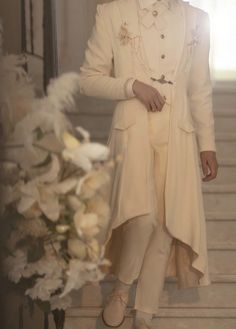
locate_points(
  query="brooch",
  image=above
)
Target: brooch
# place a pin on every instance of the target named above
(125, 36)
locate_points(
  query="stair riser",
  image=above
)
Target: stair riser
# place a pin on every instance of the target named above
(220, 202)
(225, 124)
(92, 296)
(158, 323)
(226, 149)
(221, 232)
(225, 175)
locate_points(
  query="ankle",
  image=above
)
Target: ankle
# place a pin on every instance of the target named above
(122, 286)
(140, 315)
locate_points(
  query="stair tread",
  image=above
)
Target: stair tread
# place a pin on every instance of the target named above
(219, 188)
(176, 312)
(224, 215)
(221, 245)
(215, 278)
(227, 161)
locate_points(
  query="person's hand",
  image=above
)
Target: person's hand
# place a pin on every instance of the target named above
(209, 165)
(148, 95)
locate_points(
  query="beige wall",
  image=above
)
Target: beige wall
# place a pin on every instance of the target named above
(11, 18)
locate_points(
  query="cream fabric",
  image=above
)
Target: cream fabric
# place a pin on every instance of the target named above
(145, 241)
(108, 64)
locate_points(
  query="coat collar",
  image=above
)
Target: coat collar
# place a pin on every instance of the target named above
(145, 4)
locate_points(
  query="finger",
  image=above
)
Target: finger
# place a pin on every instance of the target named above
(157, 104)
(212, 172)
(150, 106)
(204, 168)
(207, 178)
(162, 99)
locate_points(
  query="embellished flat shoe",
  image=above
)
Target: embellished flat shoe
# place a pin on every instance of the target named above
(113, 314)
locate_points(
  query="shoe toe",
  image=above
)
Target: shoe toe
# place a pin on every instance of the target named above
(113, 316)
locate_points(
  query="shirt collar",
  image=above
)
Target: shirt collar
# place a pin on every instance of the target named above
(147, 3)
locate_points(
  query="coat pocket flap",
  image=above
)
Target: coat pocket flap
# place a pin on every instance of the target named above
(186, 126)
(124, 123)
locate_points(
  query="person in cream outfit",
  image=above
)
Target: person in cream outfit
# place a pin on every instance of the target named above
(152, 57)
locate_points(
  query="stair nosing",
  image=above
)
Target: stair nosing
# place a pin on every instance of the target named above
(164, 312)
(219, 188)
(220, 216)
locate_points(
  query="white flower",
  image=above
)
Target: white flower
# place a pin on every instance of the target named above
(70, 141)
(85, 133)
(101, 208)
(61, 229)
(42, 190)
(44, 287)
(50, 266)
(61, 90)
(86, 223)
(75, 203)
(82, 154)
(77, 248)
(79, 273)
(91, 183)
(15, 265)
(94, 250)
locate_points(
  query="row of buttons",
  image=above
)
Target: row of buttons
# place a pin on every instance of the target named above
(155, 13)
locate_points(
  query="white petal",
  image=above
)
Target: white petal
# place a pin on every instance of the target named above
(94, 151)
(66, 186)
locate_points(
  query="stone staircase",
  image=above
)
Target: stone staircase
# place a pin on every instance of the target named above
(208, 307)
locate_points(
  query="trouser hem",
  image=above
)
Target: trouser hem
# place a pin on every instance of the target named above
(144, 309)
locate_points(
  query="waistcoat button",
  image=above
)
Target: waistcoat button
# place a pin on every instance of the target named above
(155, 13)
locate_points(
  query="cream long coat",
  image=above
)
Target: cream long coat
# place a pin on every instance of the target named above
(107, 66)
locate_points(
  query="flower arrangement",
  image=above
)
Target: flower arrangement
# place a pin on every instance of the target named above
(54, 209)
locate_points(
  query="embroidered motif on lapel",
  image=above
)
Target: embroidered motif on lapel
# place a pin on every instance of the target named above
(195, 36)
(127, 37)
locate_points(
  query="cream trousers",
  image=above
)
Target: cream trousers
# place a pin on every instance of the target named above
(146, 242)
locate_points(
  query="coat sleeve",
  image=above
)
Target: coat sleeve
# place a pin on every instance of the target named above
(95, 76)
(200, 88)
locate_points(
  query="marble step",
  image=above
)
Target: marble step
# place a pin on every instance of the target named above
(220, 318)
(94, 295)
(220, 216)
(226, 171)
(221, 234)
(219, 197)
(226, 144)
